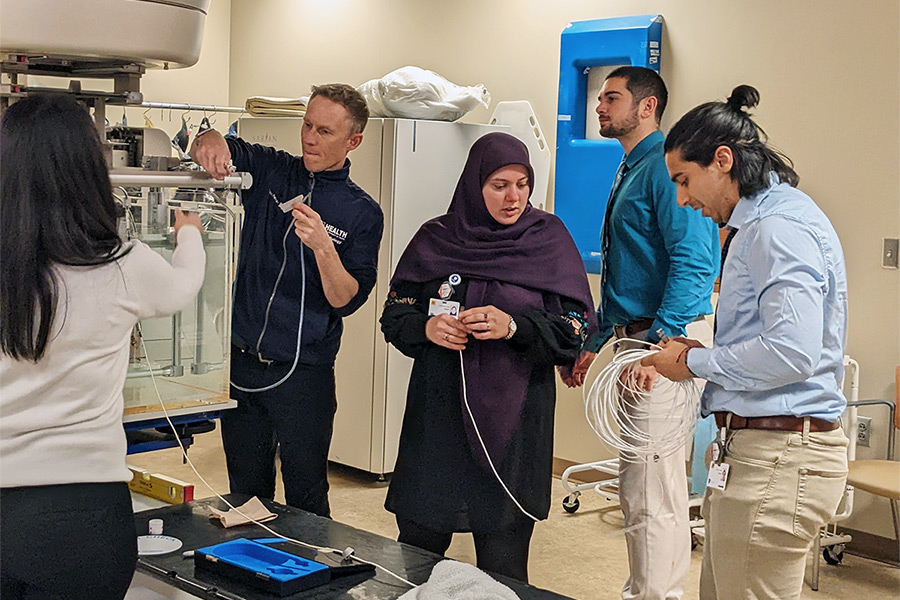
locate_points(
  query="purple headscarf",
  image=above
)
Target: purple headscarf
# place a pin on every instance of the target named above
(511, 267)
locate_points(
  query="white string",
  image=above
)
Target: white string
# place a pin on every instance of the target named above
(641, 425)
(462, 371)
(324, 549)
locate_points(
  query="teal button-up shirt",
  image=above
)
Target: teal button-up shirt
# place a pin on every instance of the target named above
(662, 259)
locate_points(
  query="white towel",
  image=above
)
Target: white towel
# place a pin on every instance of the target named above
(268, 106)
(452, 580)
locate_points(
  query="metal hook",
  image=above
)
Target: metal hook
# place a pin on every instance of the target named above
(147, 121)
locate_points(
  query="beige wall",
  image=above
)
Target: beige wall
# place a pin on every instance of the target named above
(828, 72)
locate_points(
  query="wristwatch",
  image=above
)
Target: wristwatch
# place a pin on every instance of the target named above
(512, 328)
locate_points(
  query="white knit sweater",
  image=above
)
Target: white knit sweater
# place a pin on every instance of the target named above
(61, 419)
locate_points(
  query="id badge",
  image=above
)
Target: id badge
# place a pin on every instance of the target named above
(718, 476)
(443, 307)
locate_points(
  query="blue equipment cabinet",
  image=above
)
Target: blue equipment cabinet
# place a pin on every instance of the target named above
(585, 167)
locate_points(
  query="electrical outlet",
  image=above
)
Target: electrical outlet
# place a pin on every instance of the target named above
(890, 248)
(863, 430)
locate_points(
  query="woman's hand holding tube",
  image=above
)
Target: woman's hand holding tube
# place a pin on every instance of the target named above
(186, 218)
(486, 322)
(446, 331)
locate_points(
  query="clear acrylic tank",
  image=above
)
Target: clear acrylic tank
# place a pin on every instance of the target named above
(182, 359)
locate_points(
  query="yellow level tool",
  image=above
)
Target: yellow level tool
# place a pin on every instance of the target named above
(161, 487)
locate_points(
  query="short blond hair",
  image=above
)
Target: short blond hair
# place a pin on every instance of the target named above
(349, 98)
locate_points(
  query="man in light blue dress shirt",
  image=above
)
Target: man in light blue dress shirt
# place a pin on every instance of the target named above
(659, 265)
(774, 371)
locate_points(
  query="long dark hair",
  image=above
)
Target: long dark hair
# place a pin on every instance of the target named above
(56, 207)
(699, 132)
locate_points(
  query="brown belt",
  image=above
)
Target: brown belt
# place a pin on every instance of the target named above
(629, 330)
(632, 328)
(782, 423)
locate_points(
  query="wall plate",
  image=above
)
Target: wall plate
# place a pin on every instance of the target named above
(863, 430)
(890, 247)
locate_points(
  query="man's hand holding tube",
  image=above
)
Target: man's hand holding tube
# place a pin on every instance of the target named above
(211, 152)
(671, 361)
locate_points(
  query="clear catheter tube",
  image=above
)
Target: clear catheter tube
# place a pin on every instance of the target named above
(640, 425)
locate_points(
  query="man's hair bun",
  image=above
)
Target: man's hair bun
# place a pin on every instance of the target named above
(743, 96)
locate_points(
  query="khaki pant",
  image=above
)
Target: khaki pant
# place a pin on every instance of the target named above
(782, 487)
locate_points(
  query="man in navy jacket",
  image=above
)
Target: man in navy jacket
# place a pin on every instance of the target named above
(308, 258)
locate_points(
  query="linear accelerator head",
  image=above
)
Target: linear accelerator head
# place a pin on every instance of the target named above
(152, 33)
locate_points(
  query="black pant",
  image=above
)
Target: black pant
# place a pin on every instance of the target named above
(296, 417)
(67, 542)
(504, 552)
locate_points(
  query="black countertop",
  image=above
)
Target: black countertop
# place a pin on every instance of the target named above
(191, 524)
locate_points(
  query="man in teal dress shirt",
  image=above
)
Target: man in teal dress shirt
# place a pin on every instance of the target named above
(659, 265)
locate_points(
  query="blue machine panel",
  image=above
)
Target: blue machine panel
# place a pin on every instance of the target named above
(585, 168)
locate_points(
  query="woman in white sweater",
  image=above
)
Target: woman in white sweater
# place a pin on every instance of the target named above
(70, 293)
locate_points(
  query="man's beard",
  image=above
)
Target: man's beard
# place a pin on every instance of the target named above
(617, 130)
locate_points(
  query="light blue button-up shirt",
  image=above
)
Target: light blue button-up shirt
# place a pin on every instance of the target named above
(662, 258)
(782, 313)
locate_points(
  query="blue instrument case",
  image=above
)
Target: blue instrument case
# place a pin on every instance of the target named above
(263, 567)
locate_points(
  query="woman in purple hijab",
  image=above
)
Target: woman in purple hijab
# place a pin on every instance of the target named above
(487, 299)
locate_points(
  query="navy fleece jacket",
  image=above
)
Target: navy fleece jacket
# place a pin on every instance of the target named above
(353, 220)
